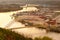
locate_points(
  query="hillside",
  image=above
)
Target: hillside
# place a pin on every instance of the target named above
(10, 7)
(9, 35)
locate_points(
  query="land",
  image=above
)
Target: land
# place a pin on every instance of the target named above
(9, 35)
(9, 7)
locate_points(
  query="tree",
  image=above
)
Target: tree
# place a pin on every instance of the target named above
(46, 38)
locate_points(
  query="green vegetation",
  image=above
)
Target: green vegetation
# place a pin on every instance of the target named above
(44, 38)
(9, 35)
(37, 38)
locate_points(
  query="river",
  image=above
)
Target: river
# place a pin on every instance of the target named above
(28, 32)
